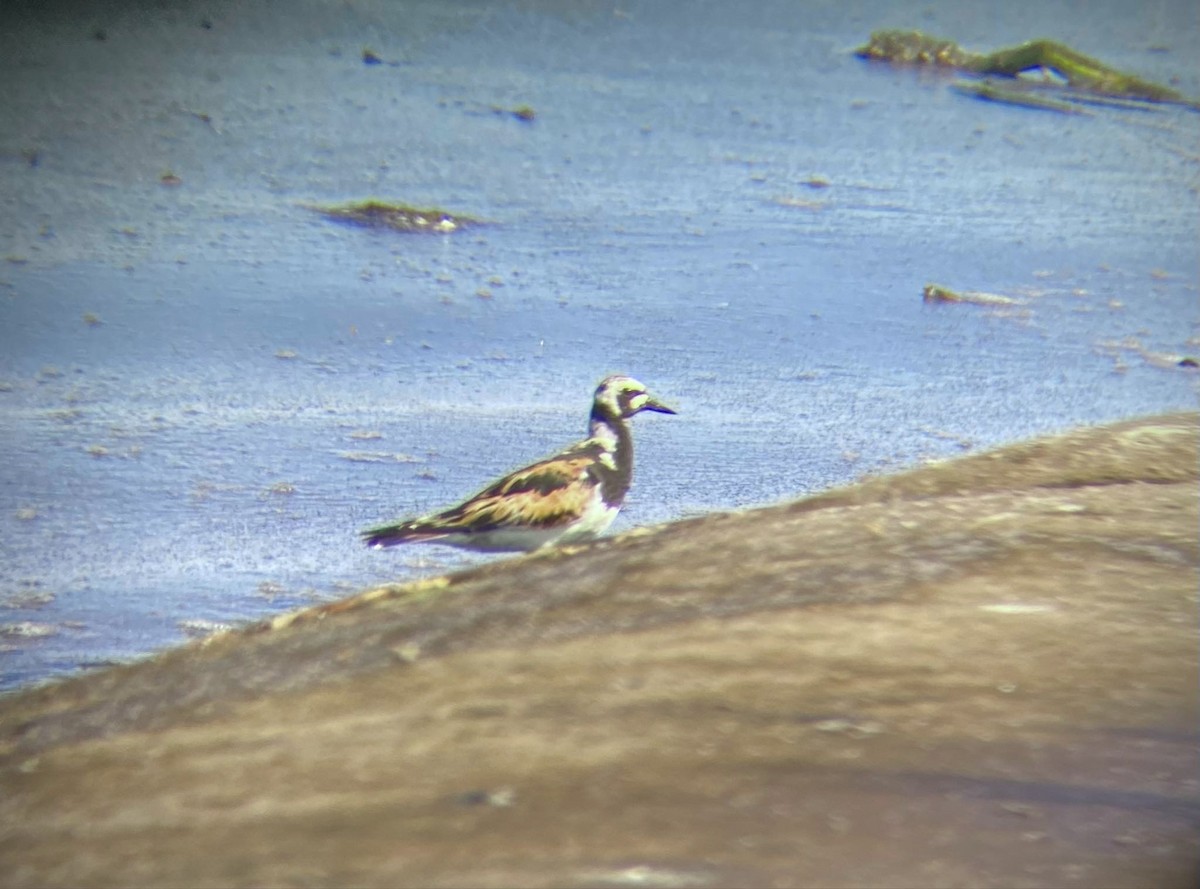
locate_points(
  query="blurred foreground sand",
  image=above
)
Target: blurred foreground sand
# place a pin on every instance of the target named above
(978, 673)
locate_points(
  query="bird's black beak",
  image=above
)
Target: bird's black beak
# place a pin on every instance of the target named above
(653, 404)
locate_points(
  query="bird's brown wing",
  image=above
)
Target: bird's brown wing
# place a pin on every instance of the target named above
(545, 494)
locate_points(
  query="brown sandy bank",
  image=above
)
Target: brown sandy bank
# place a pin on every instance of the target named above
(978, 673)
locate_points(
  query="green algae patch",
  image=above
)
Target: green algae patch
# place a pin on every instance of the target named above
(1084, 77)
(397, 217)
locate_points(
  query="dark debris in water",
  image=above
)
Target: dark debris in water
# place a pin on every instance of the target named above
(935, 293)
(524, 113)
(398, 217)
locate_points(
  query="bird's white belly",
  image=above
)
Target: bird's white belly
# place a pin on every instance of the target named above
(595, 521)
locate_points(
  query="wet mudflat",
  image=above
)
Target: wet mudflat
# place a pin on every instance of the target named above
(998, 689)
(206, 389)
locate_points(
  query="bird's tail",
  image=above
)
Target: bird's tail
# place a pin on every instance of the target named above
(400, 532)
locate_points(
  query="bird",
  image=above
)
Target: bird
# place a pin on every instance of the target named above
(569, 497)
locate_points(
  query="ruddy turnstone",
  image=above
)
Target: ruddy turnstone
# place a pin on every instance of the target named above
(572, 496)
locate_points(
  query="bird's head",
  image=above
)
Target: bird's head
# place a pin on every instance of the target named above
(620, 397)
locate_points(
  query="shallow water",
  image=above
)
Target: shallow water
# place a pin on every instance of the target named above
(728, 206)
